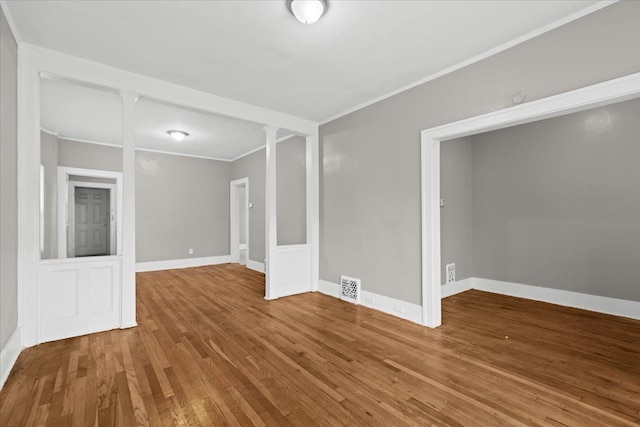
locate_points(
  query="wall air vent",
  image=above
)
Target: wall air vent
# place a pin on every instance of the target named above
(350, 289)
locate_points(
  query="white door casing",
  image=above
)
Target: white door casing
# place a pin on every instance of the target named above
(605, 93)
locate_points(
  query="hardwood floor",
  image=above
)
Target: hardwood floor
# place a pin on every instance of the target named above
(209, 350)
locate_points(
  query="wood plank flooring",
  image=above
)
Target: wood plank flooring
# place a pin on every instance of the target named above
(209, 350)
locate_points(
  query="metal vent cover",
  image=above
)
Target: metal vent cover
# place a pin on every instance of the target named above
(350, 289)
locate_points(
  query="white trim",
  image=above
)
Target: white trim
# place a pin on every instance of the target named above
(242, 246)
(329, 288)
(599, 304)
(173, 264)
(312, 153)
(395, 307)
(605, 93)
(234, 217)
(149, 150)
(195, 156)
(284, 138)
(84, 141)
(272, 281)
(9, 355)
(248, 153)
(456, 287)
(491, 52)
(255, 266)
(50, 132)
(12, 25)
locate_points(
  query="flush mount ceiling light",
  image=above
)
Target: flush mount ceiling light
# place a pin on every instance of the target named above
(307, 11)
(178, 135)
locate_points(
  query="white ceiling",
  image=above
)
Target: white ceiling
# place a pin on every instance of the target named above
(256, 52)
(92, 114)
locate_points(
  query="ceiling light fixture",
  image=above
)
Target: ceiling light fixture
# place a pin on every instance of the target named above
(307, 11)
(178, 135)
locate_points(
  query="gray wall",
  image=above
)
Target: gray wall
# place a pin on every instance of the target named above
(290, 193)
(8, 182)
(455, 217)
(89, 156)
(557, 203)
(181, 203)
(253, 167)
(49, 159)
(370, 178)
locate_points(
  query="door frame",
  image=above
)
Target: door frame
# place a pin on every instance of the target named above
(66, 202)
(601, 94)
(71, 231)
(234, 218)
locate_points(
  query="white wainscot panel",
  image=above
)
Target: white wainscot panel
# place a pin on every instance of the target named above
(79, 296)
(294, 270)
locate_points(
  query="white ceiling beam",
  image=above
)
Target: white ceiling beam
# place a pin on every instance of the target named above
(83, 70)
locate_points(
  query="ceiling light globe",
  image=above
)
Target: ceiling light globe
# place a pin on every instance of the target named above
(307, 11)
(178, 135)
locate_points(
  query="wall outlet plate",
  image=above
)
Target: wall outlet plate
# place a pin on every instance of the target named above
(190, 251)
(450, 270)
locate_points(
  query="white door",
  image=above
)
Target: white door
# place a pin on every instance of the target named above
(91, 221)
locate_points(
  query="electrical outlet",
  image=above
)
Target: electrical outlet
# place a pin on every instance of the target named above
(451, 272)
(368, 300)
(399, 308)
(190, 251)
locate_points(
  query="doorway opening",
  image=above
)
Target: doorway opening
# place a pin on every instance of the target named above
(239, 214)
(89, 212)
(609, 92)
(91, 224)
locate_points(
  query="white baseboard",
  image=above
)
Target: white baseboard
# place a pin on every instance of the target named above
(617, 307)
(255, 265)
(9, 354)
(456, 287)
(392, 306)
(181, 263)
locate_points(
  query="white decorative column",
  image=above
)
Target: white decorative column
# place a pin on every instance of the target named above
(313, 205)
(271, 224)
(128, 292)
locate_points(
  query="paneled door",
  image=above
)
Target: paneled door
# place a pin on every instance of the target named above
(91, 221)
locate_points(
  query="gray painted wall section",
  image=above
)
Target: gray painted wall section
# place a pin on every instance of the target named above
(253, 167)
(370, 177)
(291, 191)
(49, 159)
(556, 203)
(455, 217)
(290, 194)
(89, 156)
(181, 203)
(8, 182)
